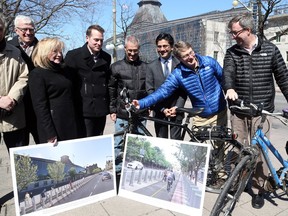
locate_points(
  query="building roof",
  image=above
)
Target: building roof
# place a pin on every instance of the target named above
(149, 12)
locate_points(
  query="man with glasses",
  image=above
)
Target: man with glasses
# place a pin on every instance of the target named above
(200, 77)
(249, 68)
(14, 77)
(129, 72)
(157, 72)
(26, 41)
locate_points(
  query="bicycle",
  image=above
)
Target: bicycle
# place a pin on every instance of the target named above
(241, 175)
(218, 162)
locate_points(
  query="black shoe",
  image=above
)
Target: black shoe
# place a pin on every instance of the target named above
(258, 201)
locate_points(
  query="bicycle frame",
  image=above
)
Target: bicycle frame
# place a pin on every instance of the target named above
(265, 145)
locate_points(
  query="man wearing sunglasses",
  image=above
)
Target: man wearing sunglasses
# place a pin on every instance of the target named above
(249, 68)
(26, 41)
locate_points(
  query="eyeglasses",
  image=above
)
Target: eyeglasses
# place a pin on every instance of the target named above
(191, 53)
(236, 33)
(24, 30)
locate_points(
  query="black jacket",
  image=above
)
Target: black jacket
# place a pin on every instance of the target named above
(52, 98)
(251, 76)
(91, 81)
(130, 75)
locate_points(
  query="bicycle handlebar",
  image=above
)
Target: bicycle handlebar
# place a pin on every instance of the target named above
(244, 105)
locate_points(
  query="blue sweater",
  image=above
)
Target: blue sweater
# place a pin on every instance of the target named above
(202, 87)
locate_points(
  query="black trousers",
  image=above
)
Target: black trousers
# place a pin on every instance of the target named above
(93, 126)
(161, 130)
(14, 138)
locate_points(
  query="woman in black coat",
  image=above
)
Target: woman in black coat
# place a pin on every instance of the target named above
(52, 93)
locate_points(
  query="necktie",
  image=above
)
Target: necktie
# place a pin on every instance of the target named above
(166, 69)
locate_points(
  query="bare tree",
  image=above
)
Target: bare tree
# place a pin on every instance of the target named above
(265, 8)
(49, 15)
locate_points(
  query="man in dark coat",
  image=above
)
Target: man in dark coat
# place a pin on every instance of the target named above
(26, 41)
(155, 76)
(250, 67)
(92, 68)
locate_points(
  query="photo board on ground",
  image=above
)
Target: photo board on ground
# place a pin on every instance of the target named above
(48, 180)
(166, 173)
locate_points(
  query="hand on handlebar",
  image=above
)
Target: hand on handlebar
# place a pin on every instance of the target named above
(231, 95)
(136, 104)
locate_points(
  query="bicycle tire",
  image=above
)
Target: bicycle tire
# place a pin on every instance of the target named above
(234, 187)
(223, 160)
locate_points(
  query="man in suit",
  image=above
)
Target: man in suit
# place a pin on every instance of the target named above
(91, 65)
(156, 74)
(26, 41)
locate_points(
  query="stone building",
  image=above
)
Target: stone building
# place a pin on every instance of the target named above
(208, 33)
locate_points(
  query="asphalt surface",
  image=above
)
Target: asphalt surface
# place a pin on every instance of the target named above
(120, 206)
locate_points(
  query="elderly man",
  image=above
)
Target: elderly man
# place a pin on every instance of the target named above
(25, 41)
(13, 82)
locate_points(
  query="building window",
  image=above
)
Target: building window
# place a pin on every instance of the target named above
(36, 185)
(215, 55)
(45, 183)
(216, 36)
(278, 37)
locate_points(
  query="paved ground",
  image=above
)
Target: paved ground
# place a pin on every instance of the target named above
(119, 206)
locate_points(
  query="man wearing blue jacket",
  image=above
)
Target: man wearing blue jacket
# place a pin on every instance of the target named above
(200, 77)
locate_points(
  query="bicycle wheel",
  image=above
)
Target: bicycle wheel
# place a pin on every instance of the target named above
(223, 159)
(234, 186)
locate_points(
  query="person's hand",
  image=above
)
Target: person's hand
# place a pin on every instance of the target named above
(113, 117)
(173, 111)
(7, 103)
(231, 95)
(136, 104)
(166, 112)
(53, 140)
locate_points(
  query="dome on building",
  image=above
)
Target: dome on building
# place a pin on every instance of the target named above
(149, 12)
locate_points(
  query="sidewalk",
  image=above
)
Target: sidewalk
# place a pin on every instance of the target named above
(119, 206)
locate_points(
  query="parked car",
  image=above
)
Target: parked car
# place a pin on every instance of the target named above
(105, 176)
(135, 165)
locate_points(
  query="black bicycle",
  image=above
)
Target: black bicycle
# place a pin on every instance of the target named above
(225, 148)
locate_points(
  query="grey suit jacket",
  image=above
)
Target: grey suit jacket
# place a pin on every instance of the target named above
(155, 78)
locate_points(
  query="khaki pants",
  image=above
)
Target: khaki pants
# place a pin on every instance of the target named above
(245, 128)
(216, 120)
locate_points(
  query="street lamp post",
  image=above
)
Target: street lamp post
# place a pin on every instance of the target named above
(114, 31)
(115, 44)
(235, 4)
(252, 8)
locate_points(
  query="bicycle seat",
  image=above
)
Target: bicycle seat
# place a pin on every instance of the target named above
(190, 111)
